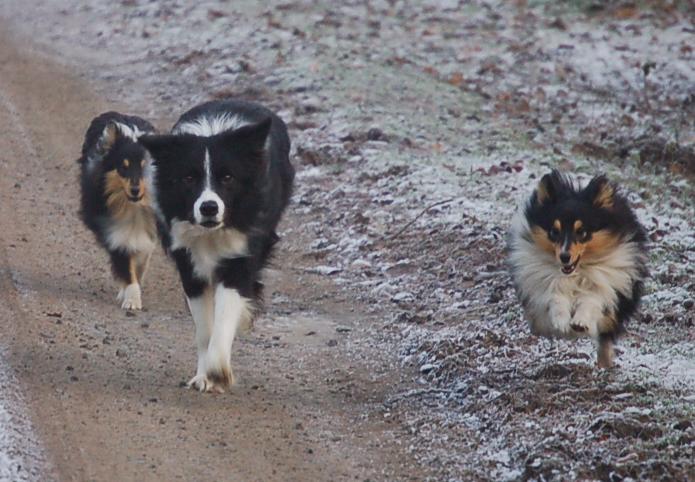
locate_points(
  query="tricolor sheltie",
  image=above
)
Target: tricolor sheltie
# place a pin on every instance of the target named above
(223, 179)
(116, 199)
(578, 259)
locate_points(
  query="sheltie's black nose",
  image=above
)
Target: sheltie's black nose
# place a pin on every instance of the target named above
(135, 191)
(209, 208)
(565, 258)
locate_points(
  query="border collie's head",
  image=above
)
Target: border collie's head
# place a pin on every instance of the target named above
(124, 162)
(210, 181)
(578, 225)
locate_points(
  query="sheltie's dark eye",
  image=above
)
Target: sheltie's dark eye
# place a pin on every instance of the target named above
(582, 235)
(554, 234)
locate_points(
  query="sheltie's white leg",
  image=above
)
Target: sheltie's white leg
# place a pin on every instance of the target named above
(130, 295)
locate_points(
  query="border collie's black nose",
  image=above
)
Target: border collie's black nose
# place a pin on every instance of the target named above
(565, 258)
(209, 208)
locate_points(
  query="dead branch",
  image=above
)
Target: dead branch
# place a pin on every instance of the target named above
(412, 221)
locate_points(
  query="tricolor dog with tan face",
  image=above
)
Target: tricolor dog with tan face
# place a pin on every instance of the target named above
(116, 202)
(223, 179)
(578, 259)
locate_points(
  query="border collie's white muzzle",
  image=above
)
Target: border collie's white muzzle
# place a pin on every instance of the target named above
(208, 209)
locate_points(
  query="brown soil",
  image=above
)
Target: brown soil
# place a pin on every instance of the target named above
(103, 386)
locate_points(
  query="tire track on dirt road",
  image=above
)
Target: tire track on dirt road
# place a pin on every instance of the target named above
(102, 386)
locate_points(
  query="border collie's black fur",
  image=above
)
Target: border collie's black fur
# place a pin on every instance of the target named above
(116, 202)
(578, 258)
(223, 179)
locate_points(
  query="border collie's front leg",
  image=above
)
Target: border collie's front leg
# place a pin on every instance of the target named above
(200, 303)
(233, 308)
(125, 270)
(201, 308)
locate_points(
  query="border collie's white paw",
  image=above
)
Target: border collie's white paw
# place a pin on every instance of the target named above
(130, 296)
(219, 371)
(203, 384)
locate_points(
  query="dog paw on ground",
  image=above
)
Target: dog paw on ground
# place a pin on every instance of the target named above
(579, 327)
(130, 297)
(203, 384)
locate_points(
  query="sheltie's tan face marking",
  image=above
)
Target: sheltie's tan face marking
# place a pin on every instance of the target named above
(118, 191)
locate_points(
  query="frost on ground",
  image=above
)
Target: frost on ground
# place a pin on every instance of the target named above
(21, 456)
(418, 130)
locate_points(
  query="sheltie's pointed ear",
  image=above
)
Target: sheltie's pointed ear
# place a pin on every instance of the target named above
(600, 192)
(107, 139)
(547, 188)
(158, 145)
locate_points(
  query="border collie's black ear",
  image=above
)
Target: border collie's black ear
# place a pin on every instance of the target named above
(157, 145)
(600, 192)
(253, 135)
(107, 139)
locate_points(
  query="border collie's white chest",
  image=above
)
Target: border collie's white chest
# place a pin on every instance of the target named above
(207, 246)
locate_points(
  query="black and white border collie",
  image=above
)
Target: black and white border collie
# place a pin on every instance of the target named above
(223, 179)
(578, 258)
(116, 200)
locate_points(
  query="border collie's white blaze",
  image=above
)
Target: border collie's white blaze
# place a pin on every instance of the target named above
(208, 209)
(578, 261)
(223, 181)
(116, 180)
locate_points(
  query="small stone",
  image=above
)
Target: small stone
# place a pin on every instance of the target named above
(343, 329)
(684, 424)
(375, 134)
(121, 353)
(332, 342)
(426, 368)
(688, 304)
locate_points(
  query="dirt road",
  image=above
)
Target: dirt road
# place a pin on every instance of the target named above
(103, 386)
(418, 128)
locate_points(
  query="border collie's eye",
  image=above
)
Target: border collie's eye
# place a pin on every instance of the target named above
(227, 179)
(188, 179)
(554, 234)
(582, 234)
